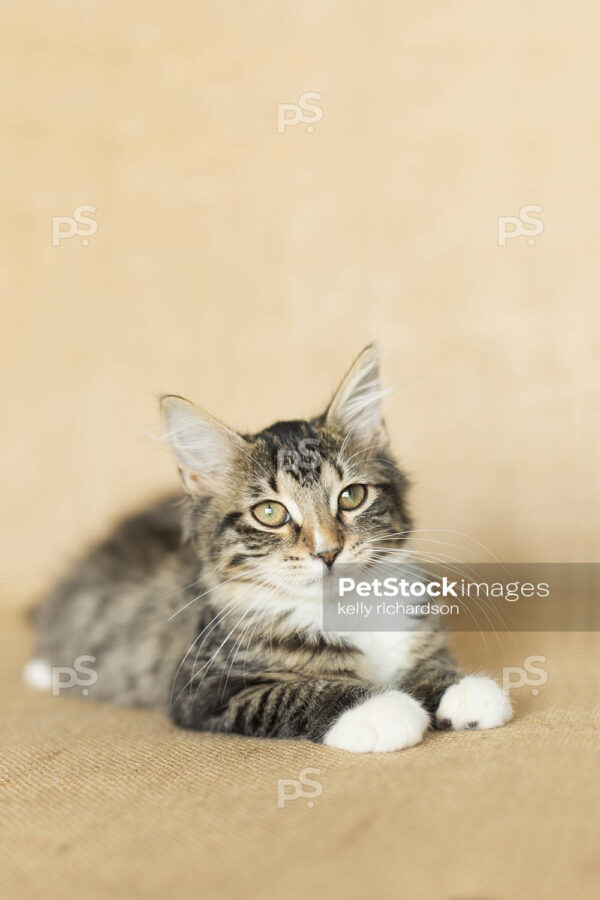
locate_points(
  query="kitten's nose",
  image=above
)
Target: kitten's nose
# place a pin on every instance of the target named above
(328, 556)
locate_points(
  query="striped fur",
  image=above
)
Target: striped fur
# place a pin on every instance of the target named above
(194, 606)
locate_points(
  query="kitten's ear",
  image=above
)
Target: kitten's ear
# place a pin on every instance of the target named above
(203, 447)
(356, 406)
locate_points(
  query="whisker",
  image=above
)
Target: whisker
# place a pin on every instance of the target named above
(466, 608)
(470, 537)
(213, 622)
(458, 571)
(199, 597)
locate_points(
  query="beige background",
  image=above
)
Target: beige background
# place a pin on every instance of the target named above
(245, 268)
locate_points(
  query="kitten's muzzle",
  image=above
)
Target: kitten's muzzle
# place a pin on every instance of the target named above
(328, 556)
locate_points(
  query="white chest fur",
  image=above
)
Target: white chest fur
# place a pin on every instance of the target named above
(385, 653)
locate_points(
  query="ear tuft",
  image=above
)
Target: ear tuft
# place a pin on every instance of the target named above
(356, 406)
(203, 446)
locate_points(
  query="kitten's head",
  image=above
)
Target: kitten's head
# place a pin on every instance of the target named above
(285, 506)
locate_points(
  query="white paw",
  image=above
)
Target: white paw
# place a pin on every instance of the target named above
(389, 721)
(473, 702)
(38, 674)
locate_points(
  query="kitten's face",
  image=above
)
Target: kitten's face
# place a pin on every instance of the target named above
(286, 506)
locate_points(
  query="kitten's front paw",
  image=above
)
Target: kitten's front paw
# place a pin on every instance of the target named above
(389, 721)
(473, 702)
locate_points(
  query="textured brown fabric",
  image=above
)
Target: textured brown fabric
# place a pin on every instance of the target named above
(113, 803)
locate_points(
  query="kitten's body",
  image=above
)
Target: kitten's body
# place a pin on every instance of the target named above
(203, 609)
(116, 603)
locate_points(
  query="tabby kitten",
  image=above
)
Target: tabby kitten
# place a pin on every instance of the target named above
(213, 608)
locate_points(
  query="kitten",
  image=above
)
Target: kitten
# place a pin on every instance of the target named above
(212, 609)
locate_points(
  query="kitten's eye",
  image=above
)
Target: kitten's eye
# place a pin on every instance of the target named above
(352, 496)
(271, 513)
